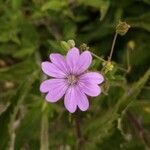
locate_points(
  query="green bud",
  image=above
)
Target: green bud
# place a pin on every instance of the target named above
(122, 28)
(131, 45)
(65, 45)
(84, 47)
(71, 43)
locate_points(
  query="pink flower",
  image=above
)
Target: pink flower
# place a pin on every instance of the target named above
(71, 79)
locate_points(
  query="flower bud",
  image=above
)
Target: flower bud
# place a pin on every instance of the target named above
(65, 45)
(71, 43)
(131, 45)
(84, 47)
(122, 28)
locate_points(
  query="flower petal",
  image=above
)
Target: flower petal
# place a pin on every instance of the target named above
(92, 77)
(72, 58)
(70, 100)
(90, 89)
(84, 62)
(60, 62)
(44, 87)
(52, 70)
(82, 100)
(56, 88)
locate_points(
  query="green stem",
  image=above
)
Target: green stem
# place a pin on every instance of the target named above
(12, 141)
(128, 61)
(44, 132)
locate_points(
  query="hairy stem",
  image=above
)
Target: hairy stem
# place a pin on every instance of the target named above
(112, 47)
(44, 145)
(128, 61)
(78, 131)
(94, 55)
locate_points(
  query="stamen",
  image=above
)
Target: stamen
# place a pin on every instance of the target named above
(72, 79)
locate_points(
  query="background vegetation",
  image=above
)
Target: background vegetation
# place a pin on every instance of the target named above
(32, 29)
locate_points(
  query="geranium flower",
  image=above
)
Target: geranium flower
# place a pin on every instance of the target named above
(71, 79)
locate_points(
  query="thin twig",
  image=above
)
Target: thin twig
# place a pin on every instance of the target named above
(112, 47)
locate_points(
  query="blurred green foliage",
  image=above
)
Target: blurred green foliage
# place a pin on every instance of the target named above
(32, 29)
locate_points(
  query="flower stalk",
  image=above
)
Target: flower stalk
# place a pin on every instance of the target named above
(96, 56)
(78, 130)
(112, 47)
(44, 145)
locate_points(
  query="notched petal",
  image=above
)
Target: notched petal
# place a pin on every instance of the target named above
(72, 58)
(56, 88)
(60, 62)
(52, 70)
(70, 100)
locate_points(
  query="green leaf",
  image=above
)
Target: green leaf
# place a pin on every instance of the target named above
(24, 52)
(105, 4)
(20, 70)
(135, 122)
(29, 129)
(16, 4)
(6, 117)
(55, 5)
(101, 127)
(147, 1)
(94, 3)
(140, 21)
(65, 45)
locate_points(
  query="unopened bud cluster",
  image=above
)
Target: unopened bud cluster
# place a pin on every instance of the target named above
(67, 45)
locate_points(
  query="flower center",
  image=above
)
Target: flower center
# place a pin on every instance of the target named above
(72, 79)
